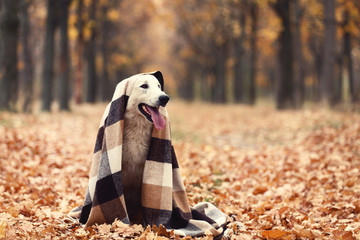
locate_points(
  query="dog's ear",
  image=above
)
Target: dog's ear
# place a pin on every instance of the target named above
(160, 78)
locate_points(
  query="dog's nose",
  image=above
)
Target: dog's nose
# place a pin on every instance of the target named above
(163, 99)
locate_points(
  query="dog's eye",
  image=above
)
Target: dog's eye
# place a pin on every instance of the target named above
(144, 86)
(159, 85)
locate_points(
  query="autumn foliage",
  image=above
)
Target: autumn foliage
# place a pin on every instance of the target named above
(278, 175)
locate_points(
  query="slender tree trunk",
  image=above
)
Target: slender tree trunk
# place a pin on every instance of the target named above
(48, 71)
(205, 89)
(348, 58)
(340, 80)
(239, 51)
(64, 56)
(316, 49)
(105, 81)
(9, 24)
(220, 74)
(80, 54)
(327, 80)
(254, 12)
(91, 55)
(285, 96)
(27, 73)
(299, 69)
(186, 88)
(318, 64)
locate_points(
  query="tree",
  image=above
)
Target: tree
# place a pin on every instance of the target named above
(64, 56)
(9, 24)
(315, 47)
(80, 53)
(204, 26)
(347, 38)
(218, 89)
(239, 51)
(285, 96)
(27, 73)
(254, 12)
(105, 88)
(327, 80)
(219, 40)
(91, 55)
(48, 71)
(299, 69)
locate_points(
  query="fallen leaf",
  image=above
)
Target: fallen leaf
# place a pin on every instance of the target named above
(3, 226)
(275, 233)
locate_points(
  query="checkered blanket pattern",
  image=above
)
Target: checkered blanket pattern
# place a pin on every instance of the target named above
(164, 199)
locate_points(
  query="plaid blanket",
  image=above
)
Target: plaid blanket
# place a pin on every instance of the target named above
(164, 199)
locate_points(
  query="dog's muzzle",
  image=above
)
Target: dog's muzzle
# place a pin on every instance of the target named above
(163, 100)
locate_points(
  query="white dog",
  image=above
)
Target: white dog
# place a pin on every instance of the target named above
(141, 115)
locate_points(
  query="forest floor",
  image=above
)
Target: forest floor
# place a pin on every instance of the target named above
(280, 175)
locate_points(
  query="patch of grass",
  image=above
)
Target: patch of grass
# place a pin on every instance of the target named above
(332, 124)
(181, 135)
(197, 185)
(209, 199)
(218, 182)
(218, 172)
(9, 122)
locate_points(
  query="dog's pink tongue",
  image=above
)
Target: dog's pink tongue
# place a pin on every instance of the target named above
(157, 118)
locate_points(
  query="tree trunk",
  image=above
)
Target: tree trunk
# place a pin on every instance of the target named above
(253, 37)
(315, 46)
(48, 71)
(348, 58)
(64, 56)
(186, 88)
(204, 83)
(327, 80)
(9, 24)
(339, 87)
(91, 55)
(285, 96)
(27, 73)
(80, 54)
(220, 72)
(105, 81)
(239, 51)
(318, 65)
(299, 69)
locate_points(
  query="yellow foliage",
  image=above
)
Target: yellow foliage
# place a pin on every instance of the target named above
(120, 59)
(113, 15)
(236, 29)
(103, 2)
(72, 20)
(87, 29)
(73, 33)
(87, 2)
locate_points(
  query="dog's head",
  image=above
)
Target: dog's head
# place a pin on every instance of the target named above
(147, 96)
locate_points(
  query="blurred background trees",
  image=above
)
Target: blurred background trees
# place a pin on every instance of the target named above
(58, 53)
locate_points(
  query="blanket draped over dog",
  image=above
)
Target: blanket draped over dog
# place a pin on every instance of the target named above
(164, 199)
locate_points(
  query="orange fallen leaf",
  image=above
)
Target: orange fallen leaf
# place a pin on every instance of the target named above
(3, 226)
(343, 235)
(274, 233)
(260, 190)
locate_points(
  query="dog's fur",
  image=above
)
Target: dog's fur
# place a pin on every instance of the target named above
(137, 134)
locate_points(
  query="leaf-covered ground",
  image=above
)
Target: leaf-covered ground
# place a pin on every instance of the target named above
(279, 175)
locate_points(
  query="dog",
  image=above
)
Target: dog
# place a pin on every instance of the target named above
(141, 115)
